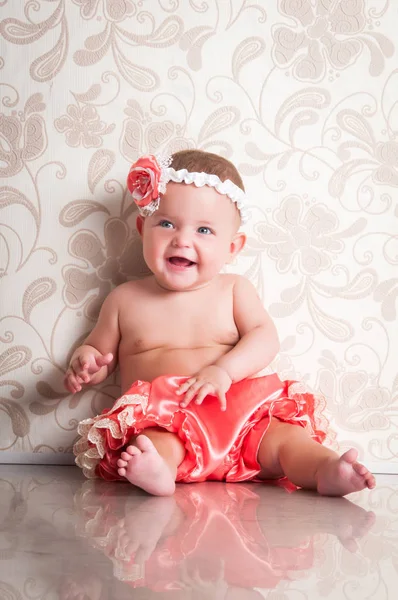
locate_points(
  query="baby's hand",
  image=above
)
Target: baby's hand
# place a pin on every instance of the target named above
(83, 367)
(212, 380)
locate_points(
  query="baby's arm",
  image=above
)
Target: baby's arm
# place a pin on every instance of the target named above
(92, 362)
(259, 342)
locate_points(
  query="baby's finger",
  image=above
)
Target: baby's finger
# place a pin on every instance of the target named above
(85, 377)
(76, 387)
(84, 362)
(206, 390)
(88, 364)
(191, 393)
(83, 371)
(75, 365)
(68, 384)
(77, 372)
(104, 359)
(82, 374)
(223, 401)
(184, 387)
(77, 369)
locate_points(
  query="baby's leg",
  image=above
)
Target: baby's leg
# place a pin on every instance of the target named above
(288, 450)
(151, 460)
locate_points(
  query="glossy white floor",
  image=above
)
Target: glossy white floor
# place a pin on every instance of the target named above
(63, 537)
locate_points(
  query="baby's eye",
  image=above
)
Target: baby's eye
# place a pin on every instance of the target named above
(165, 224)
(205, 230)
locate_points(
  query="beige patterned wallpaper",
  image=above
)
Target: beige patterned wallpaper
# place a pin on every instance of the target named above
(300, 94)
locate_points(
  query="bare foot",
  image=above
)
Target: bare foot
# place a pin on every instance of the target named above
(143, 466)
(344, 475)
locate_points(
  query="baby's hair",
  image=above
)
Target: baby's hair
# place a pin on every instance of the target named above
(198, 161)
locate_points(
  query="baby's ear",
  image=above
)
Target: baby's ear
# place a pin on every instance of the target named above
(237, 244)
(139, 224)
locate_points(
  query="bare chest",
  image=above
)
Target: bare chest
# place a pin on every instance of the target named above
(202, 322)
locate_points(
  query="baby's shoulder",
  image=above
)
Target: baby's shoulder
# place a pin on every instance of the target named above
(129, 291)
(231, 280)
(241, 289)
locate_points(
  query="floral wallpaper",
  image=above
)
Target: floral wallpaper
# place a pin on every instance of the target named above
(300, 94)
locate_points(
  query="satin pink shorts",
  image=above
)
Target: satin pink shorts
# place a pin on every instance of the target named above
(220, 446)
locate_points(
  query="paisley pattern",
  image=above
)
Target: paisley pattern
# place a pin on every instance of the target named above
(300, 94)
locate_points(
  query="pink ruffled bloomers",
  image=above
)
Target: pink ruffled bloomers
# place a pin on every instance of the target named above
(220, 446)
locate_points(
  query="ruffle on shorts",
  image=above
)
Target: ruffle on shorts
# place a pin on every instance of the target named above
(220, 446)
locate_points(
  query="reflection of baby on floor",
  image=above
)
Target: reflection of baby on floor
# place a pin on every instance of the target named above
(210, 540)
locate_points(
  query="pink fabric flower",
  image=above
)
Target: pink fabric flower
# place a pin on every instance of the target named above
(143, 180)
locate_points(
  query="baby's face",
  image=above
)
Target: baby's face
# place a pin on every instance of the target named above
(191, 236)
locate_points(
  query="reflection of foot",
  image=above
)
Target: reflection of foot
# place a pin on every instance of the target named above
(141, 529)
(352, 523)
(198, 588)
(84, 588)
(143, 466)
(287, 520)
(341, 476)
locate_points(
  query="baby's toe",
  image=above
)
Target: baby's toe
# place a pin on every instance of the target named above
(132, 451)
(128, 454)
(369, 478)
(370, 481)
(122, 472)
(145, 444)
(121, 463)
(350, 456)
(360, 469)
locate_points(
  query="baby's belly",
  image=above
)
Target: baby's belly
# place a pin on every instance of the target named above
(167, 361)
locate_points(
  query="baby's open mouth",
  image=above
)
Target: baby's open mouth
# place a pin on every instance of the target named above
(179, 261)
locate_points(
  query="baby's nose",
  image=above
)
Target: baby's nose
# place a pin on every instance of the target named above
(182, 239)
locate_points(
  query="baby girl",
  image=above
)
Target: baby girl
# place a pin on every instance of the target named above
(191, 342)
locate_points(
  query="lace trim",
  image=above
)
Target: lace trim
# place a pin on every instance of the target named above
(90, 449)
(109, 544)
(297, 390)
(149, 209)
(227, 187)
(164, 163)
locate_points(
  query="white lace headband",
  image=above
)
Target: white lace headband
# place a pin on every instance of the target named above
(150, 174)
